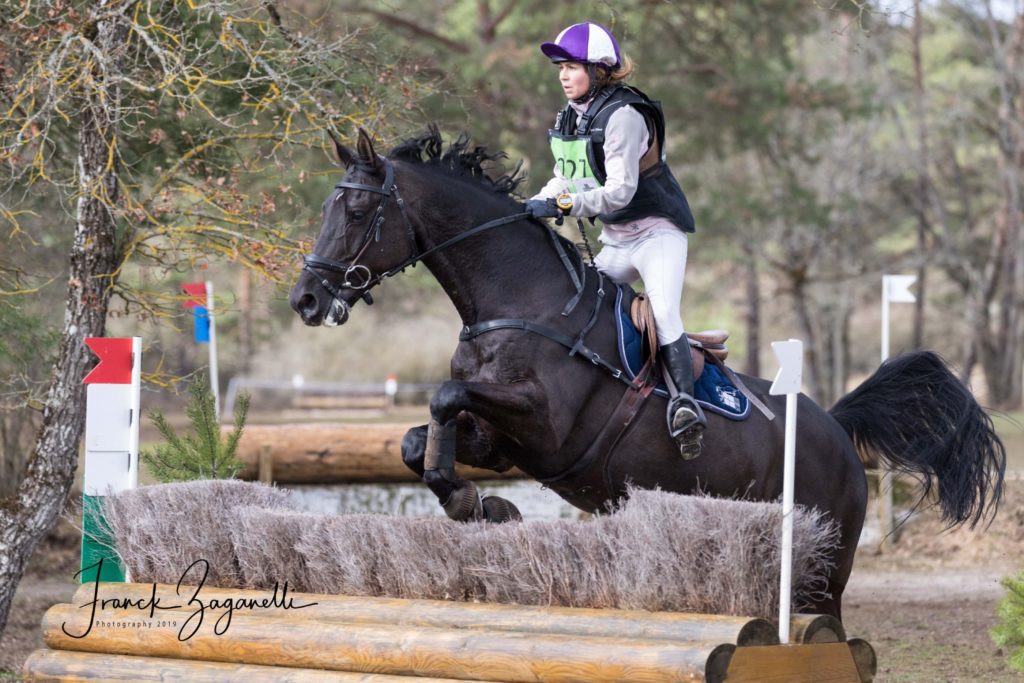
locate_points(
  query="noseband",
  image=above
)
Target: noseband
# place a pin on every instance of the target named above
(360, 277)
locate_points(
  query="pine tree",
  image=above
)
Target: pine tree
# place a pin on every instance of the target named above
(204, 454)
(1009, 634)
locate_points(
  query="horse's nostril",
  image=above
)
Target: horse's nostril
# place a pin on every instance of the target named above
(307, 306)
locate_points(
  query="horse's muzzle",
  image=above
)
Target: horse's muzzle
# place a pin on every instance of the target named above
(306, 304)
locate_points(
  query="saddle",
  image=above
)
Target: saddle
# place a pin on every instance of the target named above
(709, 341)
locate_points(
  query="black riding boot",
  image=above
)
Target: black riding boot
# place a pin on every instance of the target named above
(686, 422)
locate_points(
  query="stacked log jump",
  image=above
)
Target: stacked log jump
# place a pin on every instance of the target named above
(335, 454)
(285, 637)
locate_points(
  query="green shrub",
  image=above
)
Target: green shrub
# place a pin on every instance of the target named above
(204, 454)
(1009, 633)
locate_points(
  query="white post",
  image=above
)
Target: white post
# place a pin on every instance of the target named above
(895, 288)
(391, 389)
(214, 378)
(790, 356)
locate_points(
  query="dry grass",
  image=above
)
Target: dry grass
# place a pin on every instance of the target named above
(158, 531)
(659, 551)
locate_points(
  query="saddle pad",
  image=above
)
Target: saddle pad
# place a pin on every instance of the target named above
(713, 390)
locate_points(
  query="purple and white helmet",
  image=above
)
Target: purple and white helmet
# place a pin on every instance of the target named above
(586, 43)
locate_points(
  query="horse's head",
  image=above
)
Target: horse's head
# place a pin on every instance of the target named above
(365, 233)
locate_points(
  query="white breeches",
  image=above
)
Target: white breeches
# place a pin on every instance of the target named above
(659, 259)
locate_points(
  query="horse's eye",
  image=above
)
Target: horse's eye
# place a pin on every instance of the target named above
(358, 215)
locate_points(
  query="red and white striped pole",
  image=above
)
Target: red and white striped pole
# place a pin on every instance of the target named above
(111, 445)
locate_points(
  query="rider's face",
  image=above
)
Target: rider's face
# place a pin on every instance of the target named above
(574, 79)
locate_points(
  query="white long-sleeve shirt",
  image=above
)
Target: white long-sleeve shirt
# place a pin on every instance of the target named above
(626, 140)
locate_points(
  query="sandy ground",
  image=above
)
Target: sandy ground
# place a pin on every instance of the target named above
(926, 606)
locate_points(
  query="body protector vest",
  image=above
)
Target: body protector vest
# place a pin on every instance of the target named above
(578, 148)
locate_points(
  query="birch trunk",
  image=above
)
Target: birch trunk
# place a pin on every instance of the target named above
(26, 516)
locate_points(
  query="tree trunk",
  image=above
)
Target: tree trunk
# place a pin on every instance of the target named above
(752, 366)
(27, 516)
(1003, 355)
(812, 371)
(923, 181)
(839, 346)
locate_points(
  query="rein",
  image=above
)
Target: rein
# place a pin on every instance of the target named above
(360, 277)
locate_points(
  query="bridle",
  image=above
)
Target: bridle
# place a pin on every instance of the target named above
(360, 277)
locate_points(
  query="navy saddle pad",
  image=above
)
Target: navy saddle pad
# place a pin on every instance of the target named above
(713, 390)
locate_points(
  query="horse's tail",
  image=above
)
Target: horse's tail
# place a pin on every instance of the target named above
(918, 417)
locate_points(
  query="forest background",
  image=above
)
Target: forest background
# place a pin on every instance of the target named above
(821, 144)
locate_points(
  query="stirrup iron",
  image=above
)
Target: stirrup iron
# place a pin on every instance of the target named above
(686, 424)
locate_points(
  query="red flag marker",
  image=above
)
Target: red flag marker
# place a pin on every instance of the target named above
(115, 366)
(196, 292)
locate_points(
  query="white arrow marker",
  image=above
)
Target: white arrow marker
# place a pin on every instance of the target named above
(897, 288)
(790, 355)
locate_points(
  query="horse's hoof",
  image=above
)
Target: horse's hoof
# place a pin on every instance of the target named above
(498, 510)
(464, 504)
(689, 449)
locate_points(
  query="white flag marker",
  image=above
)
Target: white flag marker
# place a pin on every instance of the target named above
(790, 355)
(898, 288)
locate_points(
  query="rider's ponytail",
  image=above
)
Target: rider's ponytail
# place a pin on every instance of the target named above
(618, 75)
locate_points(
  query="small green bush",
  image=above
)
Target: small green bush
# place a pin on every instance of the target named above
(201, 455)
(1009, 633)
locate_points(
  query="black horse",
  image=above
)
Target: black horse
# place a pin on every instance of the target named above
(517, 398)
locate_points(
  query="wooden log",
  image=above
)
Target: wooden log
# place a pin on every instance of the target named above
(337, 454)
(63, 665)
(816, 628)
(817, 663)
(364, 402)
(446, 653)
(865, 658)
(342, 609)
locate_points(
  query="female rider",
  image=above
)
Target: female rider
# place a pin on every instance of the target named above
(610, 164)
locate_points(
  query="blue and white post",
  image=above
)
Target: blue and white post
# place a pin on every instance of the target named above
(895, 289)
(111, 445)
(790, 355)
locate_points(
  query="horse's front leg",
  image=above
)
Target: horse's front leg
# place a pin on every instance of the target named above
(518, 411)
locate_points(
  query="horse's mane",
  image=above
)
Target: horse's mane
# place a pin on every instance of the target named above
(460, 160)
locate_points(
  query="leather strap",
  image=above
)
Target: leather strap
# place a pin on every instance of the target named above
(575, 345)
(475, 330)
(735, 379)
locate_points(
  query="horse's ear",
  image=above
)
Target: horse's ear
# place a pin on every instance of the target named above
(364, 146)
(345, 155)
